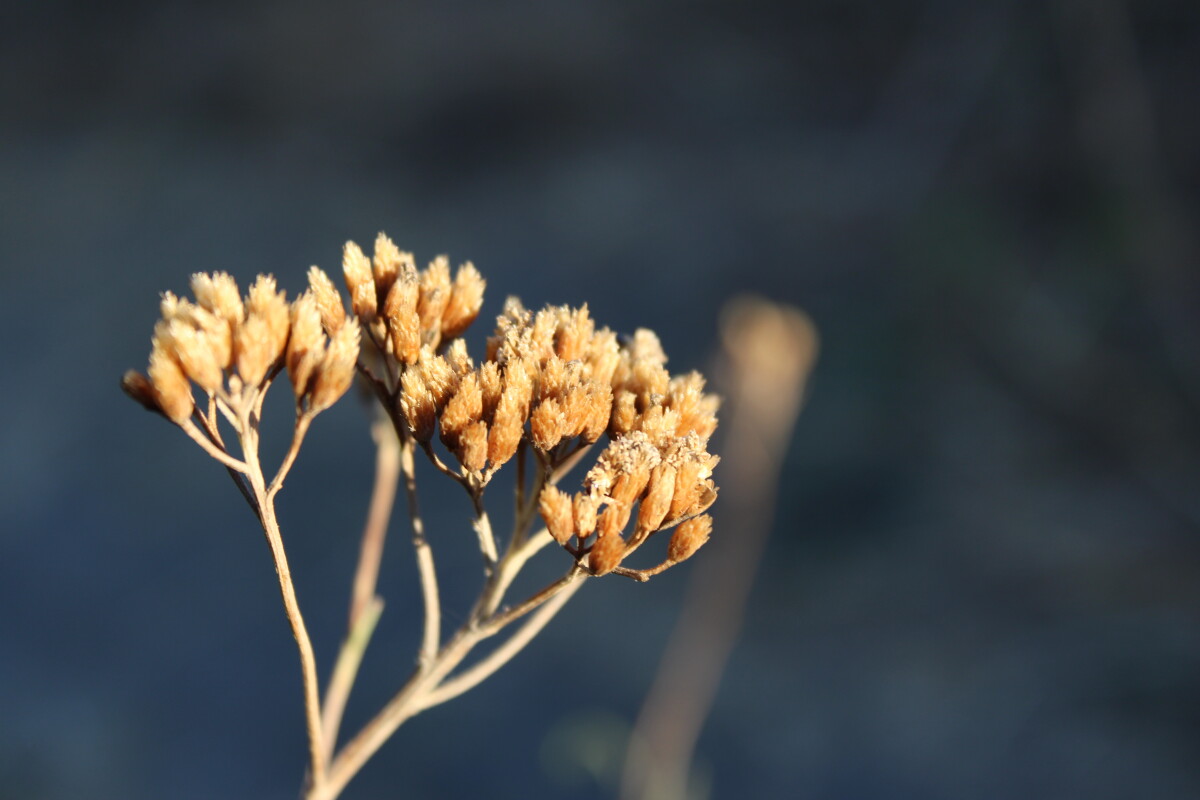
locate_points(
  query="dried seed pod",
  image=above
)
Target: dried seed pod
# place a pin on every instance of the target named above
(404, 326)
(171, 387)
(624, 413)
(464, 408)
(387, 264)
(418, 404)
(359, 281)
(255, 350)
(606, 554)
(329, 302)
(546, 425)
(337, 369)
(466, 298)
(657, 501)
(306, 345)
(196, 352)
(689, 537)
(435, 296)
(218, 293)
(584, 509)
(472, 448)
(555, 507)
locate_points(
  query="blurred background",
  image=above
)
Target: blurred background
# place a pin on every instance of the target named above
(984, 574)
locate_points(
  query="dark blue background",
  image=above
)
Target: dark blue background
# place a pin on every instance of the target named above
(985, 573)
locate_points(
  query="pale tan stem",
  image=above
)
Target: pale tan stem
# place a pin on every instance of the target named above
(483, 529)
(291, 605)
(365, 605)
(345, 671)
(472, 677)
(302, 423)
(212, 449)
(383, 498)
(308, 662)
(432, 633)
(508, 568)
(413, 697)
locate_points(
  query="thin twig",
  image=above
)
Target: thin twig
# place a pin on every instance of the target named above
(476, 674)
(212, 449)
(431, 637)
(365, 605)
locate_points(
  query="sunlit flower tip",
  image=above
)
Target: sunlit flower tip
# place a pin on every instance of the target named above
(337, 369)
(689, 537)
(435, 296)
(466, 298)
(505, 435)
(360, 281)
(171, 387)
(417, 405)
(457, 358)
(168, 305)
(328, 300)
(546, 425)
(600, 412)
(218, 293)
(387, 263)
(464, 408)
(197, 353)
(269, 304)
(657, 502)
(606, 554)
(255, 350)
(584, 508)
(306, 345)
(403, 323)
(490, 386)
(472, 449)
(555, 507)
(687, 488)
(624, 413)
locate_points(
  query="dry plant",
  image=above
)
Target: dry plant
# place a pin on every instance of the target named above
(548, 388)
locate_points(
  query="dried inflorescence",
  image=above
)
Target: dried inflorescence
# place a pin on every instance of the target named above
(231, 347)
(550, 380)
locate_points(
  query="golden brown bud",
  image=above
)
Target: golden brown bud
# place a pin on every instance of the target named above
(336, 372)
(606, 554)
(473, 446)
(359, 281)
(254, 348)
(657, 501)
(388, 263)
(306, 345)
(464, 408)
(404, 326)
(555, 507)
(417, 404)
(171, 386)
(196, 352)
(624, 413)
(329, 302)
(218, 293)
(466, 298)
(546, 425)
(689, 537)
(585, 508)
(435, 296)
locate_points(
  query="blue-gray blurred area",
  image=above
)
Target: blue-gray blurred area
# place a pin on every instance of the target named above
(984, 576)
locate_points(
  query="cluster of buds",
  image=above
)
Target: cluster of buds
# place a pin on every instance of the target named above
(231, 347)
(403, 309)
(550, 379)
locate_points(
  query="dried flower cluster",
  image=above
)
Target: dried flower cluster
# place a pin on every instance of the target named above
(230, 347)
(549, 386)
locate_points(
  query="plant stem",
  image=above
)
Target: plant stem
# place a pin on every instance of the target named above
(431, 637)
